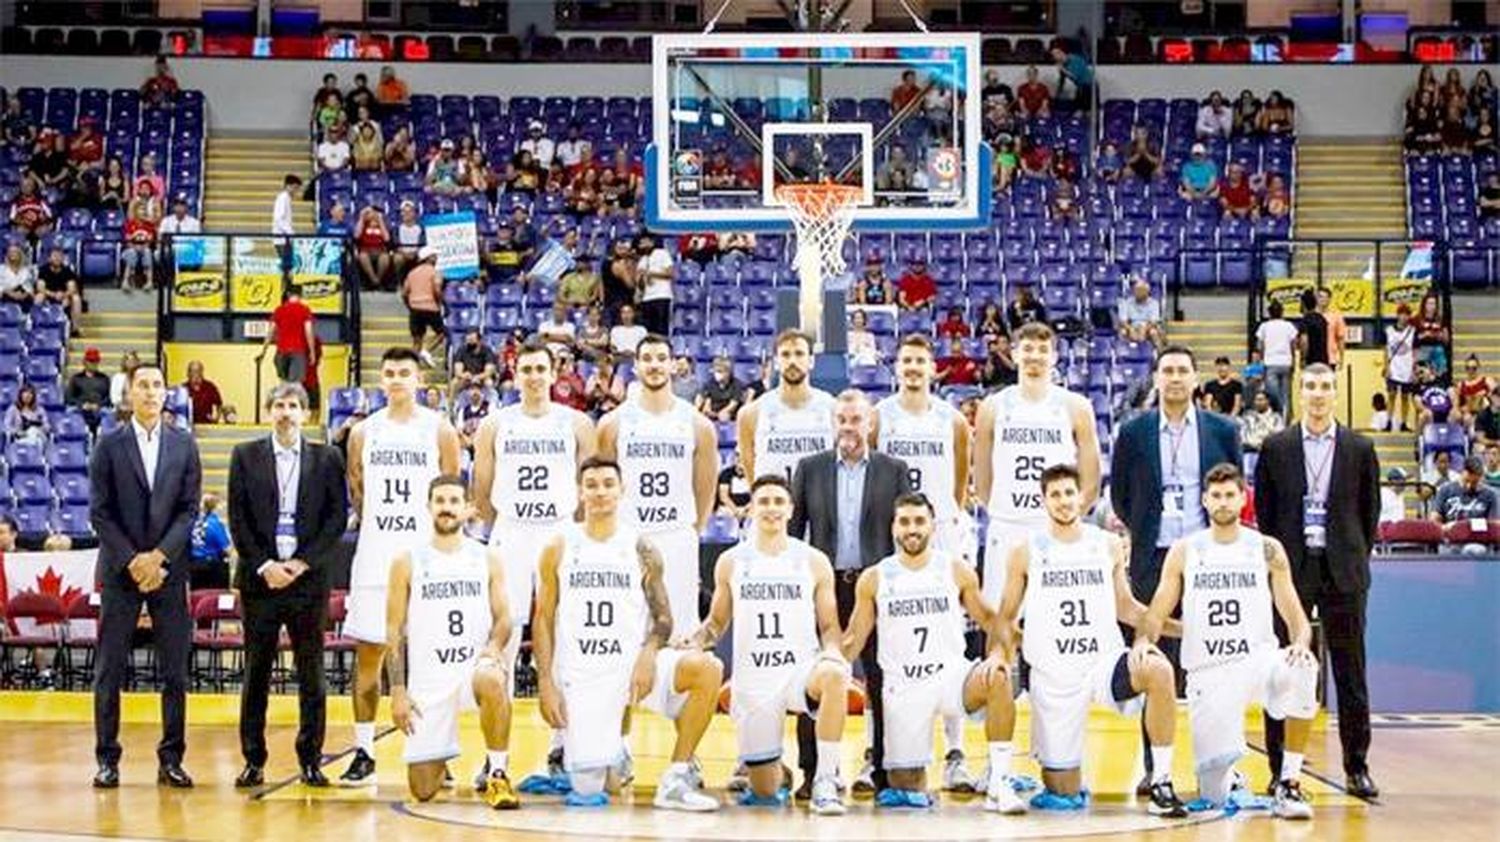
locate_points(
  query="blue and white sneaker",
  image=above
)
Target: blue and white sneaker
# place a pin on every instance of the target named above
(748, 798)
(826, 800)
(553, 780)
(894, 798)
(1001, 797)
(1057, 802)
(598, 799)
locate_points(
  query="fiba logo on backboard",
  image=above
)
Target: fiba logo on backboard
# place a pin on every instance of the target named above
(944, 170)
(687, 173)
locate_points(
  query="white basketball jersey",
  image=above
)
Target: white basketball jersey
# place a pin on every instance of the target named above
(775, 616)
(399, 460)
(924, 441)
(601, 607)
(1030, 436)
(1069, 603)
(656, 460)
(783, 436)
(919, 620)
(448, 613)
(1226, 599)
(536, 465)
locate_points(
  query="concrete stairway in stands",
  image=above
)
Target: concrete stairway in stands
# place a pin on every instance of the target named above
(1349, 188)
(244, 173)
(383, 325)
(1476, 330)
(113, 332)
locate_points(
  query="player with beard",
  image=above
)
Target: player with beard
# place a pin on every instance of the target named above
(789, 422)
(932, 438)
(915, 602)
(446, 625)
(1071, 579)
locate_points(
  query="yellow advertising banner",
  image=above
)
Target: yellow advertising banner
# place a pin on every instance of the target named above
(255, 274)
(1354, 297)
(198, 292)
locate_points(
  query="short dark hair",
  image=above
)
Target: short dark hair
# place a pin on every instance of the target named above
(770, 479)
(534, 345)
(653, 339)
(447, 479)
(1224, 472)
(291, 180)
(1036, 331)
(7, 520)
(1059, 472)
(1174, 349)
(152, 366)
(915, 498)
(1276, 310)
(1221, 360)
(594, 463)
(400, 353)
(792, 334)
(916, 340)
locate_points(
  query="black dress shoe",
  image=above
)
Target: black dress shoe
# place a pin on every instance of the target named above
(313, 776)
(1360, 785)
(251, 776)
(173, 776)
(108, 776)
(804, 792)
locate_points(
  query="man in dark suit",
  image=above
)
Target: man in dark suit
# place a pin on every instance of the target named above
(1156, 480)
(287, 508)
(145, 481)
(843, 501)
(1317, 491)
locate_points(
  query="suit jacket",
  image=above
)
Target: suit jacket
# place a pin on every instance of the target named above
(1135, 473)
(1353, 506)
(254, 503)
(130, 516)
(815, 502)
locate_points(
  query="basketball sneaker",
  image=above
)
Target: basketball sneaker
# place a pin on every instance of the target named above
(695, 773)
(956, 777)
(864, 782)
(1165, 803)
(676, 791)
(624, 768)
(499, 794)
(551, 780)
(1000, 797)
(826, 800)
(482, 778)
(1289, 802)
(361, 771)
(574, 799)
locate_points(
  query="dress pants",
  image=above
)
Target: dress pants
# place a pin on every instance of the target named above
(807, 741)
(302, 614)
(172, 632)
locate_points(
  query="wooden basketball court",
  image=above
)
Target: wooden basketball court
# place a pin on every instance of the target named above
(1438, 775)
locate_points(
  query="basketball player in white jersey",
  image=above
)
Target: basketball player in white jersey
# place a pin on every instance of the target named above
(669, 455)
(792, 420)
(1019, 431)
(393, 455)
(602, 621)
(1230, 578)
(526, 459)
(446, 623)
(777, 592)
(1071, 579)
(915, 602)
(933, 438)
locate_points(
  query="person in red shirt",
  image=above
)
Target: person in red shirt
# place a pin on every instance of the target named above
(747, 176)
(86, 150)
(905, 92)
(208, 404)
(30, 212)
(567, 387)
(161, 88)
(1035, 99)
(718, 173)
(916, 289)
(291, 330)
(953, 326)
(955, 369)
(1235, 193)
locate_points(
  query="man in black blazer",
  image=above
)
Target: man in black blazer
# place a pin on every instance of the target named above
(145, 480)
(843, 501)
(1317, 491)
(1156, 477)
(287, 510)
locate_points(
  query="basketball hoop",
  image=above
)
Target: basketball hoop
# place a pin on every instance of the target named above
(822, 212)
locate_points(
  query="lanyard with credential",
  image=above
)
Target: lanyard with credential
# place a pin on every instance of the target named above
(284, 484)
(1315, 475)
(1177, 437)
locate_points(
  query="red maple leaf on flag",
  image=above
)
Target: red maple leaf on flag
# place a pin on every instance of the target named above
(51, 583)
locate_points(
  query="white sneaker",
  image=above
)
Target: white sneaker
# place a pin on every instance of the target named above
(864, 782)
(1289, 803)
(676, 792)
(426, 357)
(695, 774)
(956, 777)
(624, 768)
(1001, 798)
(825, 798)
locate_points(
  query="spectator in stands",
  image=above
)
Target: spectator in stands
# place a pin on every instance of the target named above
(700, 247)
(330, 88)
(1432, 335)
(1482, 135)
(1024, 308)
(119, 382)
(593, 334)
(1109, 164)
(953, 326)
(580, 286)
(138, 251)
(1471, 395)
(1380, 414)
(1452, 88)
(19, 130)
(210, 547)
(372, 240)
(527, 237)
(474, 363)
(1489, 197)
(1453, 130)
(400, 152)
(1140, 318)
(17, 278)
(1393, 497)
(571, 149)
(57, 283)
(1434, 402)
(1034, 98)
(1246, 113)
(114, 185)
(897, 169)
(1200, 176)
(360, 98)
(1036, 159)
(1487, 421)
(937, 105)
(391, 91)
(1437, 472)
(25, 420)
(999, 365)
(1215, 118)
(367, 151)
(1006, 162)
(954, 368)
(1466, 498)
(179, 221)
(330, 114)
(605, 387)
(29, 213)
(148, 172)
(86, 149)
(1224, 393)
(567, 387)
(1276, 202)
(336, 224)
(504, 258)
(422, 293)
(1065, 206)
(583, 198)
(1400, 364)
(1277, 116)
(1236, 195)
(10, 531)
(292, 332)
(1259, 420)
(409, 241)
(626, 334)
(1482, 93)
(560, 333)
(469, 411)
(1423, 130)
(49, 165)
(1492, 465)
(734, 491)
(1075, 72)
(995, 90)
(538, 144)
(873, 287)
(862, 349)
(1313, 342)
(208, 405)
(1338, 329)
(655, 274)
(991, 321)
(722, 396)
(904, 93)
(619, 280)
(442, 178)
(1142, 157)
(916, 289)
(684, 380)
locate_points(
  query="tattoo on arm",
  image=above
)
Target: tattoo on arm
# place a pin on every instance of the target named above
(656, 593)
(395, 661)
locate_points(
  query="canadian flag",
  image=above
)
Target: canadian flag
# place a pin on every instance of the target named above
(65, 575)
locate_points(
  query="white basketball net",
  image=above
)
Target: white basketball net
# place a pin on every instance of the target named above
(822, 213)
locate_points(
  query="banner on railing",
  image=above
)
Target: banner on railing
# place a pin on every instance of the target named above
(255, 273)
(456, 238)
(1354, 297)
(198, 283)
